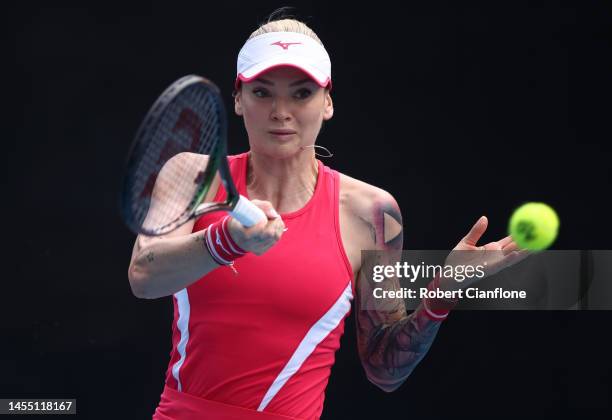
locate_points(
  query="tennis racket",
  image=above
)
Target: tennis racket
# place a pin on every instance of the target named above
(179, 148)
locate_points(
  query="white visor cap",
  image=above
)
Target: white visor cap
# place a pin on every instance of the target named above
(278, 49)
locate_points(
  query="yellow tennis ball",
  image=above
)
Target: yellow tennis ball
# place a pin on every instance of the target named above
(534, 226)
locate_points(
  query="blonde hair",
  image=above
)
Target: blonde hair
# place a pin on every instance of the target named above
(286, 25)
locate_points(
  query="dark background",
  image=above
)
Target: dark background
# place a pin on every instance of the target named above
(457, 111)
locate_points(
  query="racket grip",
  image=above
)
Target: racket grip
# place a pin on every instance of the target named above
(247, 213)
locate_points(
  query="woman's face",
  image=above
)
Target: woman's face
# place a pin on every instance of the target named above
(283, 111)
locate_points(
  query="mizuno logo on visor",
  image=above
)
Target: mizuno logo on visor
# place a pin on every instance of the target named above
(285, 45)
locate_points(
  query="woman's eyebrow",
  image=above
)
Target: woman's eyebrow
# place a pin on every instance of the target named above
(300, 82)
(264, 81)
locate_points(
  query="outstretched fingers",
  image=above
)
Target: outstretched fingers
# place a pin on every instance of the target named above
(476, 232)
(505, 241)
(512, 246)
(515, 257)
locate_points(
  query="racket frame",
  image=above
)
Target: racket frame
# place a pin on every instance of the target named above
(217, 161)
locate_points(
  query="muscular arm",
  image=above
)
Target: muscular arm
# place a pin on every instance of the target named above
(390, 342)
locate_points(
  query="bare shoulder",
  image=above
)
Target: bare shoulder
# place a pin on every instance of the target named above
(362, 198)
(181, 166)
(185, 165)
(372, 206)
(186, 160)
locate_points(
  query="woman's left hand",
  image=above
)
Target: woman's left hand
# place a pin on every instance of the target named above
(494, 256)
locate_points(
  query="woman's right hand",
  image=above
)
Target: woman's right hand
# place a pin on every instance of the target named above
(262, 236)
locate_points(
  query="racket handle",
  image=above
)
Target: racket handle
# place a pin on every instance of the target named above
(247, 213)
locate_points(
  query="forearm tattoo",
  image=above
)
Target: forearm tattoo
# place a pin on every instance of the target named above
(390, 351)
(391, 343)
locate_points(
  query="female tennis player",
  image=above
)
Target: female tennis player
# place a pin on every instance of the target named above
(259, 311)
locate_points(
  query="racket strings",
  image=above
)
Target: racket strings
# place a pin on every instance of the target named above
(190, 123)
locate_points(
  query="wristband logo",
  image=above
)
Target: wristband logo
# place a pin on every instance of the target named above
(218, 241)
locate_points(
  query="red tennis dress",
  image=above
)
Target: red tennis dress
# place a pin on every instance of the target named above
(261, 344)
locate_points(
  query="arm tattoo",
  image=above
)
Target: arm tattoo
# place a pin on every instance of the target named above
(150, 256)
(391, 343)
(391, 351)
(387, 226)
